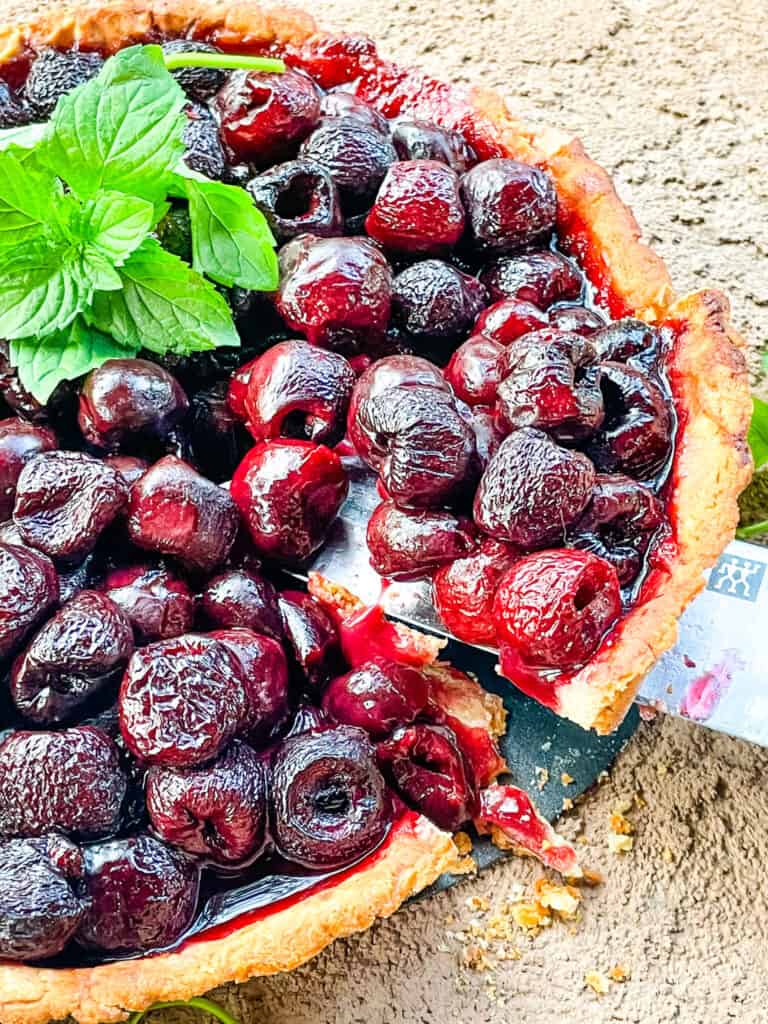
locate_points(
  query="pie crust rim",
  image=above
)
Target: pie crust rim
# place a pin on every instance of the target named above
(712, 465)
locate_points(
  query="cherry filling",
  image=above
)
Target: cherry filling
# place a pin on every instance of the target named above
(183, 737)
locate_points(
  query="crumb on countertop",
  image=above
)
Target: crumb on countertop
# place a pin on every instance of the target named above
(598, 982)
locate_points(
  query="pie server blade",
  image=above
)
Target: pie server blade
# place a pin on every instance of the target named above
(717, 674)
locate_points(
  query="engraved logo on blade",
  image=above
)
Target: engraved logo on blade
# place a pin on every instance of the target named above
(737, 577)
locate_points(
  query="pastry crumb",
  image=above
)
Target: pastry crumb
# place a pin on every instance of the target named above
(619, 973)
(566, 779)
(463, 843)
(531, 916)
(591, 877)
(474, 957)
(564, 900)
(667, 856)
(463, 866)
(620, 843)
(598, 982)
(620, 825)
(567, 803)
(542, 778)
(478, 903)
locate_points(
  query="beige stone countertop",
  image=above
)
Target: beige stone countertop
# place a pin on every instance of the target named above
(670, 95)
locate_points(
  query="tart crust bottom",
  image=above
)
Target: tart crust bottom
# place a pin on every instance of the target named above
(712, 465)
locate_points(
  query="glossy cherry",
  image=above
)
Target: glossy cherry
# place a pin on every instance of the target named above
(242, 598)
(434, 300)
(408, 544)
(54, 73)
(296, 390)
(173, 510)
(418, 209)
(181, 701)
(335, 291)
(218, 811)
(330, 803)
(509, 204)
(298, 196)
(312, 637)
(378, 696)
(553, 608)
(508, 319)
(29, 589)
(19, 442)
(532, 489)
(264, 116)
(65, 500)
(69, 781)
(355, 155)
(540, 278)
(159, 604)
(473, 370)
(264, 670)
(464, 590)
(289, 493)
(424, 140)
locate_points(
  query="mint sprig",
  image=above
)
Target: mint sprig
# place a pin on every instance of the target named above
(82, 279)
(199, 1003)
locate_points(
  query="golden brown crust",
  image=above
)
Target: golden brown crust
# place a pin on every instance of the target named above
(414, 857)
(712, 465)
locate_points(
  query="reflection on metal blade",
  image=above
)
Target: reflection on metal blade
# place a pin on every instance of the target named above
(717, 674)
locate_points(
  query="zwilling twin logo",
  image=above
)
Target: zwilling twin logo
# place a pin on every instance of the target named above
(737, 577)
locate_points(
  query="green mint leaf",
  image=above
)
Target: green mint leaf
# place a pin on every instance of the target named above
(65, 355)
(28, 202)
(758, 431)
(116, 224)
(231, 240)
(164, 306)
(122, 129)
(41, 290)
(26, 137)
(98, 272)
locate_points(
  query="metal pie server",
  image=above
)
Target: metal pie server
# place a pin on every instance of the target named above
(717, 674)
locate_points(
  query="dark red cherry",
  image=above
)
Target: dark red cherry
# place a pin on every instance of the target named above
(487, 431)
(69, 781)
(618, 524)
(204, 152)
(553, 608)
(432, 299)
(576, 320)
(629, 341)
(264, 117)
(54, 73)
(80, 652)
(423, 140)
(509, 204)
(130, 467)
(418, 209)
(41, 903)
(472, 371)
(65, 500)
(637, 433)
(142, 895)
(15, 395)
(532, 490)
(330, 803)
(198, 83)
(427, 767)
(312, 637)
(217, 438)
(242, 598)
(408, 544)
(378, 696)
(181, 701)
(464, 590)
(14, 113)
(335, 291)
(238, 389)
(539, 278)
(335, 59)
(289, 493)
(124, 398)
(297, 390)
(508, 319)
(265, 675)
(298, 196)
(158, 604)
(173, 510)
(218, 811)
(355, 155)
(29, 589)
(19, 442)
(339, 104)
(550, 380)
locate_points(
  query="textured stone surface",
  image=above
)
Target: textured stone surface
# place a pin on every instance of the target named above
(669, 95)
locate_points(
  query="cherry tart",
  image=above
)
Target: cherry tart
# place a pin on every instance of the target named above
(206, 775)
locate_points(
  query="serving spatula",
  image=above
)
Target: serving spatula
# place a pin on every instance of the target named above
(717, 674)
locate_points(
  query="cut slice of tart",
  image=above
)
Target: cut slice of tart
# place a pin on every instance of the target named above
(206, 776)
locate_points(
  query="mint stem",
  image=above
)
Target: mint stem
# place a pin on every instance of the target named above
(753, 530)
(237, 61)
(199, 1003)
